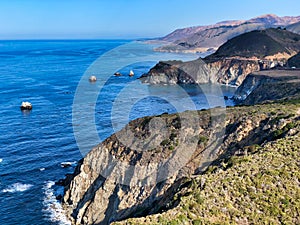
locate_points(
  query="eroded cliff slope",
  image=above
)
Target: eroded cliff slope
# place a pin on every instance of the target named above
(147, 166)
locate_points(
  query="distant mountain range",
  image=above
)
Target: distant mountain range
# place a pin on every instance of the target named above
(211, 37)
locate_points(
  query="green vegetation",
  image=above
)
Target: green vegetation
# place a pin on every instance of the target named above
(261, 186)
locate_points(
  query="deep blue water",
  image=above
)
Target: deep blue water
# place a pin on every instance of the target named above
(34, 144)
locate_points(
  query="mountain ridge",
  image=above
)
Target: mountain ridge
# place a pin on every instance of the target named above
(203, 38)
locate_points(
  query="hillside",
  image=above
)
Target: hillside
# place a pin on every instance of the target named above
(261, 188)
(269, 85)
(203, 38)
(294, 61)
(233, 61)
(295, 28)
(253, 153)
(261, 44)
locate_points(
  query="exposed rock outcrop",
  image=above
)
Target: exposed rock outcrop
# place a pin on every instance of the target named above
(268, 85)
(233, 61)
(223, 71)
(138, 170)
(178, 72)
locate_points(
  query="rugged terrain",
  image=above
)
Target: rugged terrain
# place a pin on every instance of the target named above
(154, 165)
(275, 44)
(269, 85)
(223, 71)
(233, 61)
(203, 38)
(259, 188)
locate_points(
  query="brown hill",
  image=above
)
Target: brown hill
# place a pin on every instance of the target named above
(203, 38)
(261, 44)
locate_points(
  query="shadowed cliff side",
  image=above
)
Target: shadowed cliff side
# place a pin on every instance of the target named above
(103, 191)
(269, 85)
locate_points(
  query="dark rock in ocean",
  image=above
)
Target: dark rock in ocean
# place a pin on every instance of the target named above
(92, 78)
(26, 106)
(117, 74)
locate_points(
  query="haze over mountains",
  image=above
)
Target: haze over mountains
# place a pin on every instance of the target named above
(211, 37)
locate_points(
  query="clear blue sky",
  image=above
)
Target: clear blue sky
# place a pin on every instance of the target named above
(38, 19)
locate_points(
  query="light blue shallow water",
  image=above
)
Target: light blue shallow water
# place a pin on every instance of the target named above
(33, 144)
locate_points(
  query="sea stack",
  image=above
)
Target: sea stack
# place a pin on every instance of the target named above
(26, 106)
(93, 79)
(117, 74)
(131, 73)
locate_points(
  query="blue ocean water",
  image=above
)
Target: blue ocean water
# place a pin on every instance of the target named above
(34, 144)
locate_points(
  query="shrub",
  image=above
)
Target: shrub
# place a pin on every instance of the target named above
(165, 142)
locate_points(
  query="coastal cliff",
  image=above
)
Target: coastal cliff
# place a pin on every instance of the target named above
(231, 71)
(269, 85)
(124, 177)
(233, 61)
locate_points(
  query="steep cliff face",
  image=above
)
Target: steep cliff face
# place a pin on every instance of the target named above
(130, 171)
(233, 71)
(177, 72)
(223, 71)
(268, 85)
(138, 170)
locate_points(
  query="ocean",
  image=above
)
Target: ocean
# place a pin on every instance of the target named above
(53, 76)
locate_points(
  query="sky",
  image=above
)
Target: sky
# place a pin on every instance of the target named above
(125, 19)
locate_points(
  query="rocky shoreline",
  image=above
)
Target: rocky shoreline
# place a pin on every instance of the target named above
(157, 167)
(102, 191)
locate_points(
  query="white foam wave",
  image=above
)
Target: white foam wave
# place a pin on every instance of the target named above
(68, 164)
(1, 160)
(17, 187)
(52, 208)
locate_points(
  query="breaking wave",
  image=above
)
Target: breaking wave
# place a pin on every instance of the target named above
(17, 187)
(52, 207)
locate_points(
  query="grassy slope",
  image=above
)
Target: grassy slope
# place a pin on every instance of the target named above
(260, 188)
